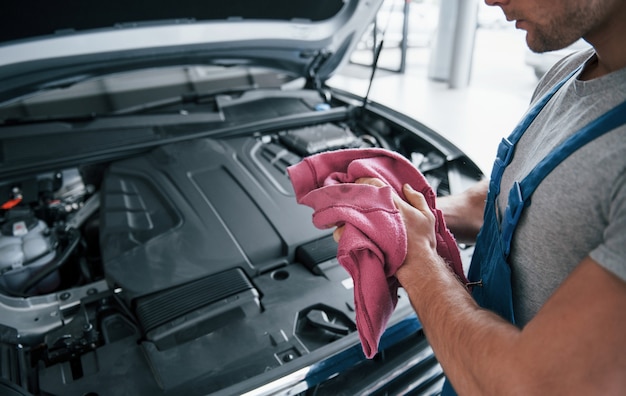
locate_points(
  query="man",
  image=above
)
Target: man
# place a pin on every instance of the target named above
(561, 322)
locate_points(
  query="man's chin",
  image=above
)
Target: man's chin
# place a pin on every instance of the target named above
(540, 44)
(540, 47)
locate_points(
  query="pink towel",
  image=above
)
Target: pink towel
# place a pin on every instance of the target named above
(373, 245)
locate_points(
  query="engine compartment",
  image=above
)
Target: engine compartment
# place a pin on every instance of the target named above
(186, 263)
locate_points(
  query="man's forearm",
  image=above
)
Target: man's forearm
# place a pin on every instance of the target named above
(573, 346)
(466, 339)
(558, 351)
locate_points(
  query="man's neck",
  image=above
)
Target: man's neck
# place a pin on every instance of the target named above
(592, 70)
(608, 42)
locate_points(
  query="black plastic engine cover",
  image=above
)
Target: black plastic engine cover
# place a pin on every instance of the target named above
(196, 208)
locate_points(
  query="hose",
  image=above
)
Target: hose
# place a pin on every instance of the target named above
(74, 239)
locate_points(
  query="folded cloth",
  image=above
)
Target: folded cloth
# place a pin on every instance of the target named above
(374, 243)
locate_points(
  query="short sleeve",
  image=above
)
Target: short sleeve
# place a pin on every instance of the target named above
(611, 254)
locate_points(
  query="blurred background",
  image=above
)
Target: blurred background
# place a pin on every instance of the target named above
(457, 66)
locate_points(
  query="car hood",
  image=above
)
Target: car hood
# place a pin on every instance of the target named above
(59, 44)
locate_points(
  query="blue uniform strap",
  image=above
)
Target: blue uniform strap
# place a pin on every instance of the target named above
(507, 146)
(520, 193)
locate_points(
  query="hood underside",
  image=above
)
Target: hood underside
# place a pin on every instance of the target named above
(75, 15)
(57, 44)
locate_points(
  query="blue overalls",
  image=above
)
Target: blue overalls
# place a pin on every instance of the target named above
(489, 270)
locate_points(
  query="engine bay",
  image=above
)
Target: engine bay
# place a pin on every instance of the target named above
(188, 262)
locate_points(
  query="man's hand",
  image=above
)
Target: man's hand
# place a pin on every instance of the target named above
(419, 222)
(464, 212)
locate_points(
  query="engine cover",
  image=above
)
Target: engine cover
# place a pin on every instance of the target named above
(195, 209)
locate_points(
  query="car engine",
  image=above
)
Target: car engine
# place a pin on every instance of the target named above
(187, 263)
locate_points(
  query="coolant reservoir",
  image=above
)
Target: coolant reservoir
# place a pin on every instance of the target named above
(25, 246)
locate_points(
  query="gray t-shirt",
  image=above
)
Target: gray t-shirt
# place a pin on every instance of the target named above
(579, 209)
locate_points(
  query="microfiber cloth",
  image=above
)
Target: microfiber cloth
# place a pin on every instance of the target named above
(374, 244)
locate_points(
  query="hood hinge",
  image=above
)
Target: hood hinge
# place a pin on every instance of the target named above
(313, 79)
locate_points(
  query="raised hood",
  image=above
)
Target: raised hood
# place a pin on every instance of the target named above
(52, 44)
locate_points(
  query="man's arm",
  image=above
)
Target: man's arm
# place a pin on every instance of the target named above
(574, 345)
(463, 212)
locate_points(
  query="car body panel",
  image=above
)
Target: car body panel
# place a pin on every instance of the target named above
(151, 242)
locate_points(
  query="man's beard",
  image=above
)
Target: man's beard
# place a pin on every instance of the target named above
(562, 31)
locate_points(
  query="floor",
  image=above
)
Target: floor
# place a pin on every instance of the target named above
(474, 118)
